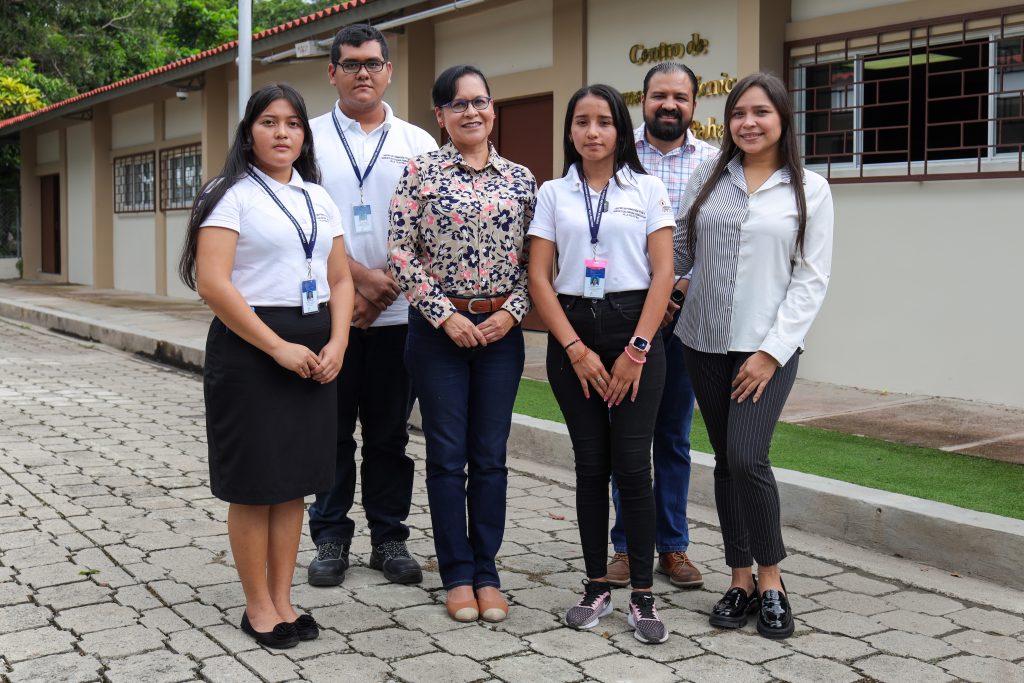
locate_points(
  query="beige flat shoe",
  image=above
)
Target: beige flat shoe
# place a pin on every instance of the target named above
(463, 608)
(492, 604)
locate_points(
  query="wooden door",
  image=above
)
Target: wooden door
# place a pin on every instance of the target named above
(49, 199)
(522, 133)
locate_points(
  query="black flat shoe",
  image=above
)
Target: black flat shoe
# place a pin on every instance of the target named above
(282, 637)
(734, 608)
(306, 627)
(775, 618)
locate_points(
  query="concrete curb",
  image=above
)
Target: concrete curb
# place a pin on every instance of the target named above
(972, 543)
(176, 352)
(955, 539)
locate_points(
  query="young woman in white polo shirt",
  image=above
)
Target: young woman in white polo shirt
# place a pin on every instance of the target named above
(265, 251)
(757, 229)
(608, 223)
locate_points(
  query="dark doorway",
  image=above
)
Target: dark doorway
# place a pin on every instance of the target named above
(522, 133)
(49, 200)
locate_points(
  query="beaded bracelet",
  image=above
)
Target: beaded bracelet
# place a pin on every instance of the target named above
(630, 356)
(566, 347)
(582, 356)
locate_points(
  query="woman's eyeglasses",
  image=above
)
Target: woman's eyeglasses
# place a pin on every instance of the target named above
(373, 66)
(459, 106)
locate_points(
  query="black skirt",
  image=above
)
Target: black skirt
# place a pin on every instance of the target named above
(271, 434)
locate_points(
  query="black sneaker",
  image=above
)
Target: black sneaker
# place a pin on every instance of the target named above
(330, 564)
(393, 558)
(643, 617)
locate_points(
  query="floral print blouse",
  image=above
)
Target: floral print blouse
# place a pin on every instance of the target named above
(456, 231)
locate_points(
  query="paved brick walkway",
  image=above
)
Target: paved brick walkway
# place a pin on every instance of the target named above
(114, 565)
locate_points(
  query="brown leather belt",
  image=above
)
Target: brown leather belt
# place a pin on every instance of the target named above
(478, 304)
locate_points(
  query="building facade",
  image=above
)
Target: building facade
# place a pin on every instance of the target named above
(912, 109)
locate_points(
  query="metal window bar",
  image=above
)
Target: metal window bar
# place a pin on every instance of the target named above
(134, 177)
(924, 100)
(181, 176)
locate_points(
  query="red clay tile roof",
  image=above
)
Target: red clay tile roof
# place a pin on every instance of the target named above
(348, 4)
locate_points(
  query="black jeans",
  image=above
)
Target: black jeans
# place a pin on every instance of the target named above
(374, 387)
(610, 440)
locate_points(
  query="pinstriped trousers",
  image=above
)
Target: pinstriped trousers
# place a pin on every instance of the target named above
(746, 494)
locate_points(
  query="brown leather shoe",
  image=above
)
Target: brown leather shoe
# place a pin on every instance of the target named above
(492, 604)
(680, 570)
(618, 570)
(462, 604)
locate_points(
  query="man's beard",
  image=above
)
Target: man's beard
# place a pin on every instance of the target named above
(666, 130)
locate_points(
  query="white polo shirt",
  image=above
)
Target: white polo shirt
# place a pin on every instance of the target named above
(270, 263)
(636, 208)
(404, 142)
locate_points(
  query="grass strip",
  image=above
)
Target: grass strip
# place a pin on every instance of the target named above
(962, 480)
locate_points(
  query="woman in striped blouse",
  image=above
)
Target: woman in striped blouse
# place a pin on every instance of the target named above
(756, 227)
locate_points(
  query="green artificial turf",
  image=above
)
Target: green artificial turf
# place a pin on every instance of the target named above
(963, 480)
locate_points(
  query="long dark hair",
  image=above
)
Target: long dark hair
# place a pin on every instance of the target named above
(625, 147)
(789, 153)
(240, 157)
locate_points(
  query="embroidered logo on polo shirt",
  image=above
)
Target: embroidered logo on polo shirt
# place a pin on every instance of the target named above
(630, 212)
(395, 159)
(321, 216)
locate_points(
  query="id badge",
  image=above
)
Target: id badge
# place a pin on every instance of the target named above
(362, 215)
(310, 302)
(593, 282)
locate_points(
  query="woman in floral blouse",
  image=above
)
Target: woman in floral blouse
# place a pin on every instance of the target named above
(458, 226)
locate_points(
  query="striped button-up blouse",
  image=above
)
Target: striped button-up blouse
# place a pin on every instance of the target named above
(752, 290)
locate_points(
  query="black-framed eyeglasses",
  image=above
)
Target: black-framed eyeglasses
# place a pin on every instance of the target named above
(373, 66)
(479, 103)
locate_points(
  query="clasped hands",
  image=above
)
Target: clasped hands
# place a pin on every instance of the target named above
(612, 388)
(299, 359)
(466, 335)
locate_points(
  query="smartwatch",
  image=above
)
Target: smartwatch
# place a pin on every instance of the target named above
(640, 344)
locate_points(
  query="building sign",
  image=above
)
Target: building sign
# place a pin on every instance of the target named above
(639, 54)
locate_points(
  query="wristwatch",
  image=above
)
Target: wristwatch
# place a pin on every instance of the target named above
(640, 344)
(677, 296)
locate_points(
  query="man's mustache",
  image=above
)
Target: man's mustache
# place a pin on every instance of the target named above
(667, 112)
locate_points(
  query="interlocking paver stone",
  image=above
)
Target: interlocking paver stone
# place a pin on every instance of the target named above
(889, 669)
(66, 668)
(440, 666)
(34, 643)
(983, 669)
(989, 620)
(103, 466)
(533, 667)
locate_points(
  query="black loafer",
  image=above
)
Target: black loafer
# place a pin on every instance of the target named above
(282, 637)
(306, 627)
(775, 619)
(734, 608)
(329, 566)
(392, 558)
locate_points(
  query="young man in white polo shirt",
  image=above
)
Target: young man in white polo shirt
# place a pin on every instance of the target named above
(362, 149)
(668, 149)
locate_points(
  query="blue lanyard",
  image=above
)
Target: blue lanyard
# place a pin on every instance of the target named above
(307, 244)
(360, 176)
(594, 221)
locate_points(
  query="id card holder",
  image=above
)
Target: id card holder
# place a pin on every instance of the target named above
(593, 282)
(362, 216)
(310, 302)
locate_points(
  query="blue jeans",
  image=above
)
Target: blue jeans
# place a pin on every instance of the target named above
(671, 455)
(466, 398)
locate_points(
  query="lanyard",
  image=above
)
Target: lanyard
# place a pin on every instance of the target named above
(360, 176)
(594, 221)
(307, 244)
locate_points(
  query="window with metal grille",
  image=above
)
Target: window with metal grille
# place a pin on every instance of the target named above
(941, 99)
(181, 175)
(134, 180)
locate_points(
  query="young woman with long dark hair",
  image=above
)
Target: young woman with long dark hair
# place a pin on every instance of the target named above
(606, 221)
(265, 251)
(757, 229)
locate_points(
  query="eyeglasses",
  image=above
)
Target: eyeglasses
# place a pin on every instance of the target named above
(373, 66)
(459, 106)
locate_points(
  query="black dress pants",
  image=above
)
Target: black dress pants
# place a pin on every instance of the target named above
(610, 440)
(373, 387)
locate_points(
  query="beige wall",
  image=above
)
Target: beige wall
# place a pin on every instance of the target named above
(183, 118)
(134, 252)
(80, 204)
(132, 127)
(613, 27)
(925, 290)
(507, 39)
(48, 147)
(177, 227)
